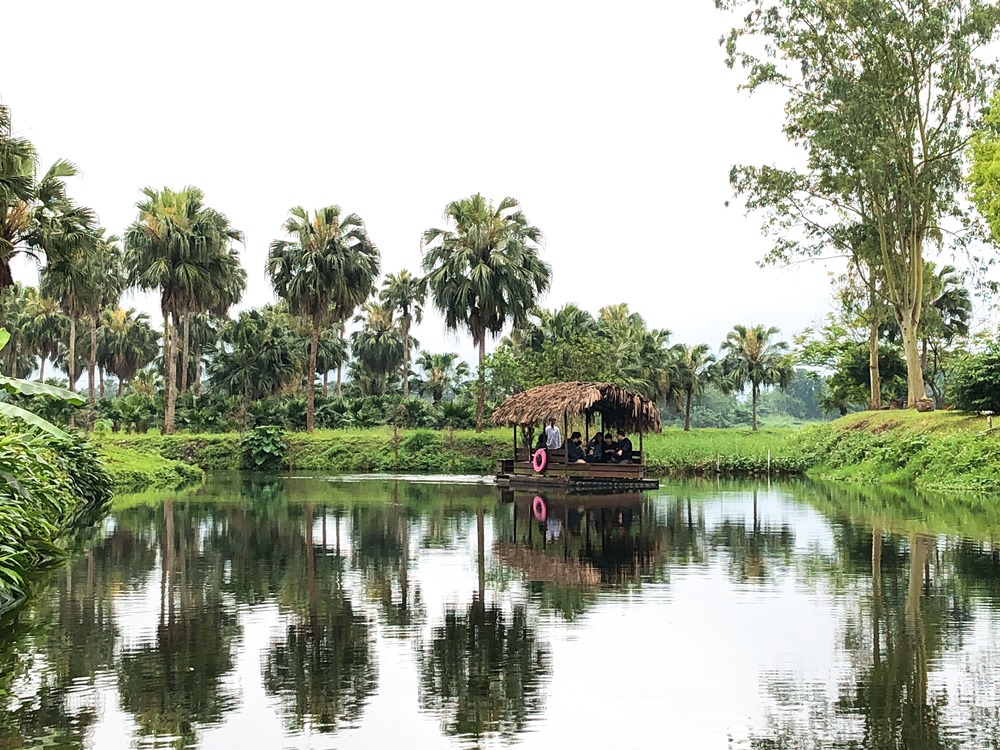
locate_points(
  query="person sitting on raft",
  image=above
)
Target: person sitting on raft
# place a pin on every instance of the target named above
(595, 448)
(609, 453)
(624, 452)
(574, 449)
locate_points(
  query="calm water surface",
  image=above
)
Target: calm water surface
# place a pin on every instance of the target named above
(305, 613)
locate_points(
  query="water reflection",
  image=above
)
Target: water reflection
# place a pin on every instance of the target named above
(299, 613)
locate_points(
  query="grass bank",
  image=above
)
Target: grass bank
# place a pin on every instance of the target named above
(735, 452)
(934, 450)
(133, 471)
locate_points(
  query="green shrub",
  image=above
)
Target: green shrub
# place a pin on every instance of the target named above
(48, 488)
(975, 382)
(264, 449)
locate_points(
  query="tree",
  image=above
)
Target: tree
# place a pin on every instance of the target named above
(441, 374)
(324, 273)
(176, 246)
(258, 355)
(126, 343)
(378, 346)
(984, 171)
(405, 293)
(484, 272)
(45, 328)
(332, 353)
(693, 373)
(16, 310)
(881, 96)
(751, 357)
(947, 312)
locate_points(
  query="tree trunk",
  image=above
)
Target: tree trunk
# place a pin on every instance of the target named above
(874, 375)
(687, 411)
(753, 399)
(406, 356)
(481, 388)
(121, 386)
(71, 360)
(326, 383)
(41, 370)
(915, 389)
(185, 351)
(340, 367)
(100, 379)
(199, 353)
(311, 376)
(92, 363)
(170, 370)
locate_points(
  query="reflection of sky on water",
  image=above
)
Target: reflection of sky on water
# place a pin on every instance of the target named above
(700, 657)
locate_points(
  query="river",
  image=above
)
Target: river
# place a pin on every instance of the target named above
(323, 613)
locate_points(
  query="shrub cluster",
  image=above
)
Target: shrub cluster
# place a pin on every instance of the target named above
(48, 488)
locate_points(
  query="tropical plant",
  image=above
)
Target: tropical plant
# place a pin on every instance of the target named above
(181, 248)
(752, 357)
(323, 274)
(405, 294)
(484, 272)
(25, 388)
(257, 355)
(16, 310)
(694, 372)
(47, 326)
(332, 354)
(126, 343)
(441, 375)
(379, 347)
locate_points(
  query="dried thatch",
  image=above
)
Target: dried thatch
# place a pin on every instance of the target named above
(618, 407)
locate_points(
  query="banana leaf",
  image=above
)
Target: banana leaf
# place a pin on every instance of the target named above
(32, 389)
(9, 410)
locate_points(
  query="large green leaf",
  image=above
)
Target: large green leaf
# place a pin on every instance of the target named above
(32, 389)
(9, 410)
(4, 337)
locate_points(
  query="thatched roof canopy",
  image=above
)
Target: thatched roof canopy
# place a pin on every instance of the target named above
(618, 407)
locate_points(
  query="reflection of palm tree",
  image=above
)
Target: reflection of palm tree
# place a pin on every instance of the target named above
(323, 671)
(483, 671)
(175, 683)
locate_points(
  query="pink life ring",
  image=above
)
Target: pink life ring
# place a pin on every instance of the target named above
(539, 460)
(539, 508)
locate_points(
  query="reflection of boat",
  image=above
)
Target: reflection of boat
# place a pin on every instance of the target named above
(580, 539)
(617, 407)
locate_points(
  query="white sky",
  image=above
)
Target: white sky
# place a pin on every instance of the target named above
(614, 125)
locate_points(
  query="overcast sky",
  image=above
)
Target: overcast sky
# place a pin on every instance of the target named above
(614, 125)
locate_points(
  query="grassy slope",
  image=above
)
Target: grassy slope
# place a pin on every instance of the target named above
(935, 450)
(133, 471)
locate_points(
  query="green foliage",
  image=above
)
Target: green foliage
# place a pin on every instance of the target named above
(984, 172)
(264, 449)
(937, 450)
(49, 486)
(975, 383)
(132, 471)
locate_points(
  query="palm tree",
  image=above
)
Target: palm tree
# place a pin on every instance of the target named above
(378, 346)
(178, 246)
(325, 272)
(127, 343)
(694, 371)
(16, 311)
(753, 357)
(33, 212)
(17, 193)
(441, 373)
(332, 353)
(72, 276)
(258, 355)
(45, 328)
(405, 293)
(219, 288)
(484, 272)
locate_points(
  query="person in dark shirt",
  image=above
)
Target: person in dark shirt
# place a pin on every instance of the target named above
(574, 449)
(624, 451)
(610, 454)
